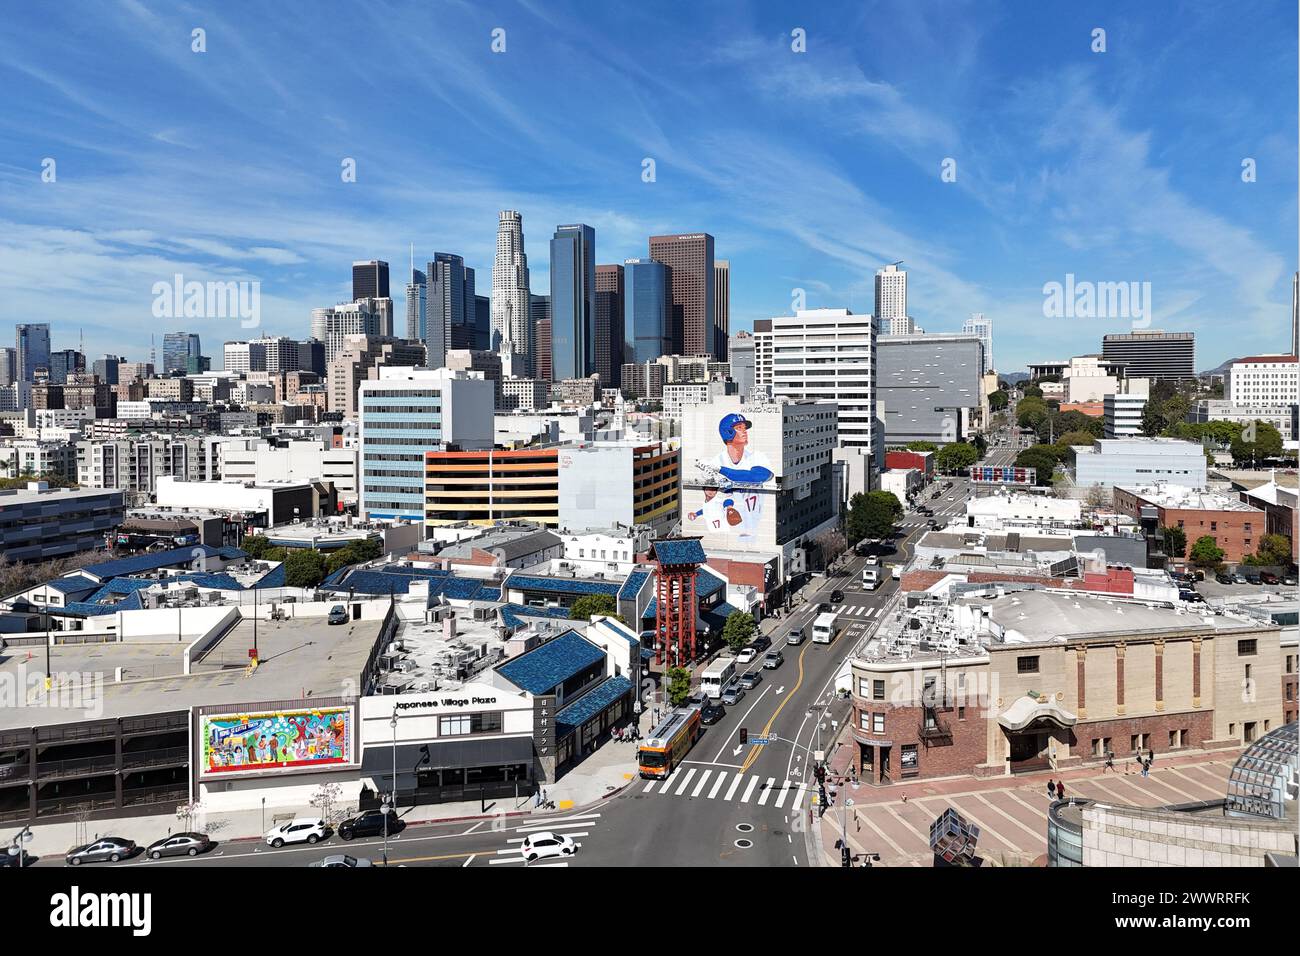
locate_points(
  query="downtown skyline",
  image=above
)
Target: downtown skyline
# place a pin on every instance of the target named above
(812, 169)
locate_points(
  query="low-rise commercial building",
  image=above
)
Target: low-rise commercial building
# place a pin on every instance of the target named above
(40, 522)
(1139, 461)
(1235, 526)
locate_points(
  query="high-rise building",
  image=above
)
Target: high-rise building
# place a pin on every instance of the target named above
(474, 360)
(891, 301)
(539, 311)
(609, 324)
(929, 386)
(244, 356)
(830, 355)
(320, 320)
(740, 356)
(982, 329)
(647, 309)
(362, 317)
(511, 318)
(573, 301)
(31, 350)
(1153, 354)
(542, 363)
(722, 306)
(105, 369)
(406, 412)
(1295, 314)
(370, 280)
(1263, 380)
(63, 363)
(483, 322)
(690, 290)
(450, 316)
(416, 292)
(8, 372)
(177, 349)
(357, 358)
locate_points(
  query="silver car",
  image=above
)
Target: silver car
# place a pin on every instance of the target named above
(732, 693)
(343, 860)
(106, 849)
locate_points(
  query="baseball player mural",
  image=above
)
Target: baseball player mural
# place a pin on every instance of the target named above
(731, 483)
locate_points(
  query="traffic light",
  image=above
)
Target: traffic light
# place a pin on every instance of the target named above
(744, 736)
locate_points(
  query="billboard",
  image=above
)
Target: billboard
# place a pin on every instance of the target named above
(283, 740)
(1002, 475)
(731, 472)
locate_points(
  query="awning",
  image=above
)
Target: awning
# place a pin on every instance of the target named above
(377, 760)
(1026, 710)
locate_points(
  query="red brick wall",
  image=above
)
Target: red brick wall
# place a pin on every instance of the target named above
(1229, 529)
(1199, 725)
(746, 573)
(921, 461)
(1289, 692)
(958, 753)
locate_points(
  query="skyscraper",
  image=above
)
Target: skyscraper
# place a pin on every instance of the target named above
(106, 369)
(982, 329)
(31, 349)
(1153, 354)
(573, 301)
(63, 363)
(690, 290)
(450, 306)
(511, 325)
(609, 324)
(1295, 314)
(178, 347)
(370, 280)
(722, 306)
(416, 291)
(891, 302)
(539, 307)
(647, 328)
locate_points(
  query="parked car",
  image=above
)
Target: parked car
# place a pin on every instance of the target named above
(733, 693)
(1187, 594)
(1268, 577)
(342, 859)
(794, 638)
(772, 660)
(837, 597)
(761, 643)
(749, 680)
(105, 849)
(746, 655)
(1289, 581)
(1223, 577)
(538, 846)
(179, 844)
(300, 830)
(1253, 577)
(1239, 578)
(712, 713)
(370, 823)
(338, 614)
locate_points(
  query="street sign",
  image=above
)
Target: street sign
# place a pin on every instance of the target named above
(759, 741)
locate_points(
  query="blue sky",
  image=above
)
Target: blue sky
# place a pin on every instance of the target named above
(811, 169)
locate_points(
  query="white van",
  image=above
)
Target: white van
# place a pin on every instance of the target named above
(717, 676)
(824, 628)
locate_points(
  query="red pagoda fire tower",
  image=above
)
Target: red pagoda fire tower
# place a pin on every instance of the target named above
(677, 560)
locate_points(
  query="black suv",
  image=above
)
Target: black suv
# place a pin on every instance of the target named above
(837, 597)
(712, 713)
(369, 823)
(761, 643)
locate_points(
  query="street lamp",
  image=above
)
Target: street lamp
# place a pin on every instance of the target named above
(390, 806)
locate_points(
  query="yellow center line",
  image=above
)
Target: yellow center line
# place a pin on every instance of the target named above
(753, 751)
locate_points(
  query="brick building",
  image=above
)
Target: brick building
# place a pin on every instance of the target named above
(922, 461)
(1035, 680)
(1235, 526)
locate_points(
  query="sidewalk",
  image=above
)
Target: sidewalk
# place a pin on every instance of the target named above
(601, 775)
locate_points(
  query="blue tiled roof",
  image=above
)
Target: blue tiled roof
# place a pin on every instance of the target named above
(678, 551)
(707, 584)
(365, 581)
(75, 583)
(274, 578)
(91, 610)
(524, 582)
(632, 586)
(223, 582)
(716, 618)
(149, 562)
(651, 610)
(488, 594)
(231, 553)
(118, 587)
(512, 615)
(574, 715)
(541, 669)
(618, 631)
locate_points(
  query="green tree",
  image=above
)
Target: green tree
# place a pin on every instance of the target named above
(872, 515)
(1273, 550)
(589, 604)
(357, 552)
(256, 545)
(304, 568)
(922, 446)
(955, 456)
(998, 400)
(1267, 443)
(739, 629)
(1031, 413)
(1205, 553)
(1175, 541)
(679, 685)
(1033, 391)
(1041, 458)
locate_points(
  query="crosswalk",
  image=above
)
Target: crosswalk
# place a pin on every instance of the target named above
(575, 826)
(854, 610)
(716, 783)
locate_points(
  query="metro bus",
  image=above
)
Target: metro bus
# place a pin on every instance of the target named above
(669, 743)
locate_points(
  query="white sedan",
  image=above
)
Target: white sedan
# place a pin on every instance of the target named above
(537, 846)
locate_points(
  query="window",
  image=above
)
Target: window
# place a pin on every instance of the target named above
(961, 713)
(864, 687)
(1027, 665)
(909, 759)
(1214, 526)
(1232, 730)
(1096, 747)
(878, 690)
(1246, 647)
(462, 724)
(1249, 732)
(864, 719)
(878, 723)
(1247, 672)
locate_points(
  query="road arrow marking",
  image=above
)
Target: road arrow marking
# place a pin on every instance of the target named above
(780, 690)
(736, 752)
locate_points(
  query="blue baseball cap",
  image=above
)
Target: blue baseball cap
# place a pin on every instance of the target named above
(727, 427)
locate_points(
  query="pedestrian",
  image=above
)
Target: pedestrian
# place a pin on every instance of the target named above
(1146, 767)
(905, 798)
(1051, 789)
(1110, 762)
(1060, 790)
(1151, 758)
